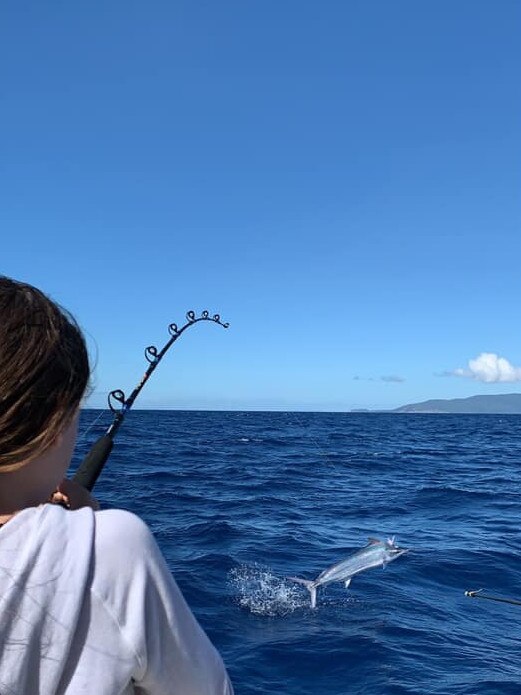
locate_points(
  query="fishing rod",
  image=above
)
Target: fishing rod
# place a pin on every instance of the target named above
(92, 465)
(478, 594)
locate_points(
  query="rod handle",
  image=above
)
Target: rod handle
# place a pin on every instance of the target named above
(93, 463)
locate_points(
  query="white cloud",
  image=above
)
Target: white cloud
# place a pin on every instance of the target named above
(490, 368)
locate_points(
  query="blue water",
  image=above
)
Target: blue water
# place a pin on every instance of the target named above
(238, 501)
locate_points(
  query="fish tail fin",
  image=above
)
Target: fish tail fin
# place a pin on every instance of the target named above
(310, 586)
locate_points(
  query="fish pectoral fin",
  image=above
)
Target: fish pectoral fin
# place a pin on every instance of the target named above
(347, 582)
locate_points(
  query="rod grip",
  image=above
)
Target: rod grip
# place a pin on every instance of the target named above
(92, 465)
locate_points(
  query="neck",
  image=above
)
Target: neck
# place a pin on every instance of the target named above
(35, 481)
(28, 486)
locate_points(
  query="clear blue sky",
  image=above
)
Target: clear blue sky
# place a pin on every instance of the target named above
(341, 180)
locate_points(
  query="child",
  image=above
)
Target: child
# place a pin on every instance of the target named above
(87, 604)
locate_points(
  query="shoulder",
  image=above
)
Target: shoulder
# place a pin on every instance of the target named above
(129, 571)
(121, 532)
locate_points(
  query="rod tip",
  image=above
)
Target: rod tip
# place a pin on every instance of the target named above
(472, 594)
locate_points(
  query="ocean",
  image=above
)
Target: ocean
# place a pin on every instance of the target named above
(238, 501)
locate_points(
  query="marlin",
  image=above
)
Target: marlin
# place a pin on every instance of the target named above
(376, 553)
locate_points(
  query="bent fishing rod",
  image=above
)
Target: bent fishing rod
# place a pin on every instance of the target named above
(478, 594)
(92, 465)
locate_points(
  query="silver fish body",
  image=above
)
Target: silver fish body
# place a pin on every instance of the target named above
(376, 553)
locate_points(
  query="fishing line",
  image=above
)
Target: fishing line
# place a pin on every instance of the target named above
(83, 435)
(92, 465)
(295, 417)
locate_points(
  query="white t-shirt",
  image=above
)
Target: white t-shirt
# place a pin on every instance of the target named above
(88, 606)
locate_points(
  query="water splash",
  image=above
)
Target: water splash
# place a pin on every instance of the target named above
(261, 592)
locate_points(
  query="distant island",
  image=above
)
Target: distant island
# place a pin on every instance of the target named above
(502, 404)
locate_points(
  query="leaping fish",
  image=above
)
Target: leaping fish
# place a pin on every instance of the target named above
(376, 553)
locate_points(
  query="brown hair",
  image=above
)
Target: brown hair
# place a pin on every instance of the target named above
(44, 371)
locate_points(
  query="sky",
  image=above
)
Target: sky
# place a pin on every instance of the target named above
(340, 180)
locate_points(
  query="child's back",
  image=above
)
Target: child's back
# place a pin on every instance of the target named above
(87, 603)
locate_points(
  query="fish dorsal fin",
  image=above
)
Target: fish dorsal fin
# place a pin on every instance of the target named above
(373, 541)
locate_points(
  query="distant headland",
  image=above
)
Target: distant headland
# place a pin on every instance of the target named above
(502, 404)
